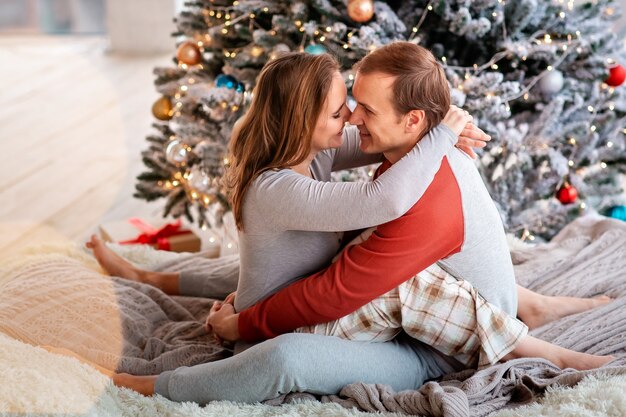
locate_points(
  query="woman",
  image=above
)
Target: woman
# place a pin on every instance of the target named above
(290, 149)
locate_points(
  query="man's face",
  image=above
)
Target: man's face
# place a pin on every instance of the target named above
(382, 129)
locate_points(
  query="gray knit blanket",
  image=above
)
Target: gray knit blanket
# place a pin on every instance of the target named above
(151, 332)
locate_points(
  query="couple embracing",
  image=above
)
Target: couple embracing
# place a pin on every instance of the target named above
(422, 283)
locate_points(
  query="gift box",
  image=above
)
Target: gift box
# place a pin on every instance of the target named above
(157, 233)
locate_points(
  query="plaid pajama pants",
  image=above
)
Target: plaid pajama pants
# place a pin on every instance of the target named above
(439, 310)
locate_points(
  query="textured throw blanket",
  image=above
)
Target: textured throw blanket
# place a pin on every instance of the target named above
(61, 298)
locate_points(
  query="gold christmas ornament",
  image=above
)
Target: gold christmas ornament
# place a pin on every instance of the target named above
(189, 53)
(162, 109)
(361, 11)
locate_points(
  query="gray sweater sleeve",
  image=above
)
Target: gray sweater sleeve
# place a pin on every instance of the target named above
(286, 200)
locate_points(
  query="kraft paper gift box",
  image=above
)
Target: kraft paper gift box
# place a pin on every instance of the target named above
(156, 233)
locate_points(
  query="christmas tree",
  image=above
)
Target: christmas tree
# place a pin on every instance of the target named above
(542, 77)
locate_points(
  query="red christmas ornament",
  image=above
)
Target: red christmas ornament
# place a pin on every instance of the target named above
(617, 74)
(567, 194)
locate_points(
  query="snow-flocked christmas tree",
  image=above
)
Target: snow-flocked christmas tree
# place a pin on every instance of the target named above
(542, 77)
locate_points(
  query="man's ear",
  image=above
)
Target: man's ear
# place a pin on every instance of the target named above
(414, 121)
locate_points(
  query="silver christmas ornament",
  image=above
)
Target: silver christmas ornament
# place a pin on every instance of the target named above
(176, 152)
(199, 179)
(552, 82)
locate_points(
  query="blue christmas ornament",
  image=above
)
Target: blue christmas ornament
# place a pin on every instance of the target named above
(617, 212)
(315, 49)
(227, 81)
(240, 87)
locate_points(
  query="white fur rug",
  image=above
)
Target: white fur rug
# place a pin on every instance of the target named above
(35, 381)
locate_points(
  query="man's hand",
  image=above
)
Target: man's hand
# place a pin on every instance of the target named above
(230, 298)
(472, 137)
(223, 321)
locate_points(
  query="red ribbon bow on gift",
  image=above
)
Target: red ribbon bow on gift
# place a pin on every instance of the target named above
(153, 236)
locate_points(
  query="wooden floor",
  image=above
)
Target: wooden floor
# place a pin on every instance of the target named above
(73, 120)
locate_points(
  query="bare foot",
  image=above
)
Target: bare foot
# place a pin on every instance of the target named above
(72, 354)
(583, 361)
(531, 347)
(111, 262)
(548, 309)
(142, 384)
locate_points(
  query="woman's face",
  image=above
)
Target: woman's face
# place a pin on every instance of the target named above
(335, 113)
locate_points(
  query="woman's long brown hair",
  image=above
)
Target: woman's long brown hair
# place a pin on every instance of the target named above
(277, 129)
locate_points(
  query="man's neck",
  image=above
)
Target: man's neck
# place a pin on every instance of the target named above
(394, 155)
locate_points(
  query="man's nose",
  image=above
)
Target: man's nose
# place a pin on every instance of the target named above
(355, 117)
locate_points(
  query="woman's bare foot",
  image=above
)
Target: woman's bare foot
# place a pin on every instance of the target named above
(111, 262)
(545, 309)
(117, 266)
(142, 384)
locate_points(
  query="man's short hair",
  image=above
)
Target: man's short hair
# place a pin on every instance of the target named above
(420, 82)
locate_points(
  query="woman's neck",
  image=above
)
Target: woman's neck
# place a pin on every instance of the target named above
(304, 167)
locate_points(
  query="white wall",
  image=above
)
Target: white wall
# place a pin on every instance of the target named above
(141, 27)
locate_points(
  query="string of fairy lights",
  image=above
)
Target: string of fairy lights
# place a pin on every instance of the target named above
(317, 38)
